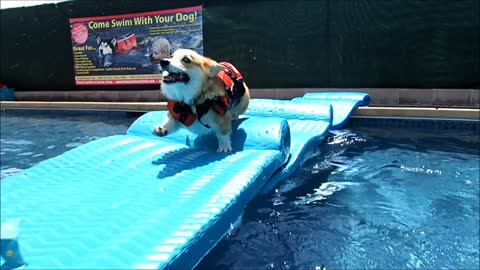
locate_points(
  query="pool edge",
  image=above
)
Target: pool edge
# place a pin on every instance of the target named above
(404, 112)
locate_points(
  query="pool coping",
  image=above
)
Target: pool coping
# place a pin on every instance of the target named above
(368, 111)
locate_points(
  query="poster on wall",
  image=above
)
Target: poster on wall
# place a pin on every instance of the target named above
(127, 49)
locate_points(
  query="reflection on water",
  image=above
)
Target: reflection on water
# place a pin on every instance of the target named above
(376, 199)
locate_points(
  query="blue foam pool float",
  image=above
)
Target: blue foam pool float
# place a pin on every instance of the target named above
(308, 122)
(139, 201)
(343, 104)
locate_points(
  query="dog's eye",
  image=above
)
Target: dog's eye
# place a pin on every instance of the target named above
(186, 60)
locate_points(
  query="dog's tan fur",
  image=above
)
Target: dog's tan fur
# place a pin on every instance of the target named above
(204, 84)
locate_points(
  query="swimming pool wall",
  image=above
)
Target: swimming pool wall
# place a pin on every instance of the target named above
(453, 98)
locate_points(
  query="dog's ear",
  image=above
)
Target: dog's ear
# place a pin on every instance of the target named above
(114, 41)
(99, 39)
(214, 69)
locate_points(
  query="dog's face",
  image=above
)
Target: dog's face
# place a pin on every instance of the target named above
(106, 46)
(185, 73)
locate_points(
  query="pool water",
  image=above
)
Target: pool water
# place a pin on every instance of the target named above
(372, 197)
(28, 137)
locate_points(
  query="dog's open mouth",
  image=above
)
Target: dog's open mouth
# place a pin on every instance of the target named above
(173, 77)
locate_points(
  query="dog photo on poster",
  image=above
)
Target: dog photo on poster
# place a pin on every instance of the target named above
(127, 49)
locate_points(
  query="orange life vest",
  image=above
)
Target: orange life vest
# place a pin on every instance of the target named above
(234, 91)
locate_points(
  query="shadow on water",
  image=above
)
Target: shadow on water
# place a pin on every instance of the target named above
(201, 153)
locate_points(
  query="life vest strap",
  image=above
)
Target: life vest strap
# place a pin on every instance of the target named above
(233, 80)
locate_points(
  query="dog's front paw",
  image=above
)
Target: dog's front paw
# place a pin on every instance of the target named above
(160, 131)
(224, 148)
(224, 143)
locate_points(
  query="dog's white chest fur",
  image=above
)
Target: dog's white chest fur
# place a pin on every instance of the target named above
(181, 92)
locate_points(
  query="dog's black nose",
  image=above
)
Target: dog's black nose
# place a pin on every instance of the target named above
(164, 63)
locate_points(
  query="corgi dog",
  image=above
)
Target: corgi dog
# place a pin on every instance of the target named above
(202, 95)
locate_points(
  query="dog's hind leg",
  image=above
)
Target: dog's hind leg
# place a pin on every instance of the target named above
(242, 106)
